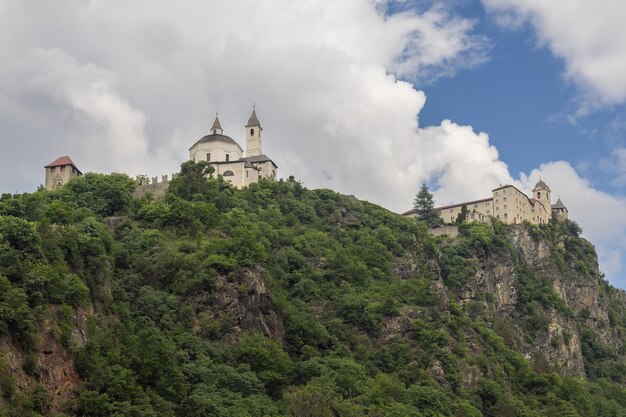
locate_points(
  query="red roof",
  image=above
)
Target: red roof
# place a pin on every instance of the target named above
(62, 161)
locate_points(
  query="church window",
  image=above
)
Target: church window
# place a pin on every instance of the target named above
(227, 157)
(251, 132)
(214, 131)
(247, 173)
(539, 195)
(208, 157)
(228, 174)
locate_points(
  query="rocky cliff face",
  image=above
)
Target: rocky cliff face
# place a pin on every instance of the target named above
(576, 282)
(52, 364)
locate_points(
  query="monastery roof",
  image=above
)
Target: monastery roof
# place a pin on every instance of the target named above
(259, 158)
(559, 205)
(246, 164)
(451, 205)
(216, 124)
(253, 120)
(506, 186)
(467, 203)
(61, 162)
(216, 138)
(540, 185)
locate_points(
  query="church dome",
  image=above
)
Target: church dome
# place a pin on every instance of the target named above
(216, 138)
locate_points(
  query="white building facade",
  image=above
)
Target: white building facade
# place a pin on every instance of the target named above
(227, 157)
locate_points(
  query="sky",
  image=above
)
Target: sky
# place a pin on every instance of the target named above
(367, 97)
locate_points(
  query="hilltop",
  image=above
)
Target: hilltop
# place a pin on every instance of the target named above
(276, 300)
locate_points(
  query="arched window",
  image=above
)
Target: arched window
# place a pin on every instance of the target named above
(228, 174)
(251, 132)
(538, 195)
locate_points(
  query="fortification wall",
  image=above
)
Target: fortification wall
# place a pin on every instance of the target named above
(153, 186)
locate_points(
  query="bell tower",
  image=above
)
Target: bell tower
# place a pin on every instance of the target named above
(542, 193)
(254, 132)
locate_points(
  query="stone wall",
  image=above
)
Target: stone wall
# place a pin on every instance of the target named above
(153, 186)
(451, 231)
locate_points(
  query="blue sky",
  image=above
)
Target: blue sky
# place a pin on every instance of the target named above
(520, 97)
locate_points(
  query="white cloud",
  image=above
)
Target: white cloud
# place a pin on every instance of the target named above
(131, 85)
(588, 35)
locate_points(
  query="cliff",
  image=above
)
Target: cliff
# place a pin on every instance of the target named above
(276, 300)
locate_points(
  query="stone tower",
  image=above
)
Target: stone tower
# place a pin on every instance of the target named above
(541, 192)
(59, 172)
(559, 211)
(253, 136)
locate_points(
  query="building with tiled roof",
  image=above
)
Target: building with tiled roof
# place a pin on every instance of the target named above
(507, 204)
(227, 157)
(60, 171)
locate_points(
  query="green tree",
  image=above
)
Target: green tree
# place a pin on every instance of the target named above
(462, 215)
(192, 180)
(425, 206)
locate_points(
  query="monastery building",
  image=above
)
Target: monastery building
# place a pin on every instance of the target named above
(509, 205)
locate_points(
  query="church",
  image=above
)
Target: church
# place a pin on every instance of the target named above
(227, 156)
(221, 151)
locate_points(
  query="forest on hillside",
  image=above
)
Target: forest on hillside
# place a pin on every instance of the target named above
(276, 300)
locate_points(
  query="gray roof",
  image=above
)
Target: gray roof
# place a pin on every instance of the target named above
(216, 138)
(253, 120)
(216, 124)
(258, 159)
(541, 184)
(558, 205)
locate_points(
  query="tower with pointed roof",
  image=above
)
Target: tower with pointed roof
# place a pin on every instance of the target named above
(254, 131)
(216, 129)
(559, 211)
(227, 157)
(541, 193)
(59, 172)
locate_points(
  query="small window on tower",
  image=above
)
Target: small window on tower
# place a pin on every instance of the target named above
(251, 132)
(538, 195)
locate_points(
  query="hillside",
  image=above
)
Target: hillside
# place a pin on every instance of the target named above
(276, 300)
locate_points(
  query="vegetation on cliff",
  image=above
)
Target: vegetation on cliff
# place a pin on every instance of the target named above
(281, 301)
